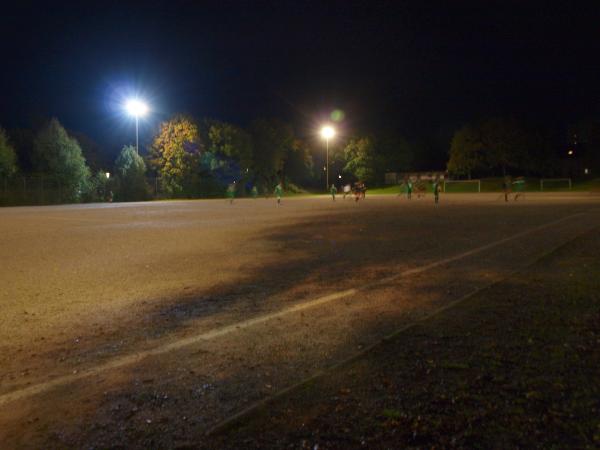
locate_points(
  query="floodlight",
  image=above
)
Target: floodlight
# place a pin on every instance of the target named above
(327, 132)
(136, 108)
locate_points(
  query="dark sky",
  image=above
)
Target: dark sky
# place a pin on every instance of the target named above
(418, 67)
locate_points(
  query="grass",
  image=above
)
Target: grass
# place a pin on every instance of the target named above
(396, 189)
(495, 185)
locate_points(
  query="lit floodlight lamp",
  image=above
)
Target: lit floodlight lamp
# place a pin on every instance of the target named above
(327, 132)
(136, 108)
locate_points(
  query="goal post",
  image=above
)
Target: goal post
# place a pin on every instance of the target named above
(462, 186)
(555, 183)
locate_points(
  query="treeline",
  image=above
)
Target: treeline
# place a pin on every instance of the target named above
(190, 158)
(52, 160)
(195, 158)
(501, 146)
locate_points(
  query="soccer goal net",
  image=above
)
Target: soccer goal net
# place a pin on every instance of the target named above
(462, 185)
(555, 184)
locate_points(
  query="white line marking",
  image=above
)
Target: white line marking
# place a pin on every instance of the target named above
(130, 359)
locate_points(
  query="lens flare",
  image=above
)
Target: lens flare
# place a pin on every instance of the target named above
(337, 115)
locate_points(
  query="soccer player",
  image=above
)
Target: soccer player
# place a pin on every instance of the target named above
(333, 191)
(359, 190)
(409, 189)
(356, 191)
(231, 192)
(519, 187)
(436, 190)
(347, 190)
(506, 188)
(254, 192)
(278, 193)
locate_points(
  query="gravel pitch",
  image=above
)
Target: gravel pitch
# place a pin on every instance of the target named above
(143, 325)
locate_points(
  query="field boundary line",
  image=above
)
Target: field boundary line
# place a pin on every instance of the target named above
(133, 358)
(258, 406)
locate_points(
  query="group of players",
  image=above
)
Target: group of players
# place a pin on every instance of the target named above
(230, 193)
(358, 190)
(420, 188)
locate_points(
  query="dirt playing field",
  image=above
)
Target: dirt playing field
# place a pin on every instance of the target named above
(144, 325)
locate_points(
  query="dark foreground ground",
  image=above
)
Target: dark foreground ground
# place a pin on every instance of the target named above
(515, 366)
(147, 325)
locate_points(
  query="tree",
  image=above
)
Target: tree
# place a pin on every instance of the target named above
(587, 135)
(231, 142)
(494, 144)
(465, 151)
(59, 155)
(95, 156)
(272, 141)
(228, 153)
(22, 141)
(175, 154)
(298, 163)
(396, 155)
(99, 187)
(505, 144)
(131, 173)
(8, 157)
(361, 159)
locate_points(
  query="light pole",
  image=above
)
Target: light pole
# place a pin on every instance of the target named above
(327, 133)
(137, 109)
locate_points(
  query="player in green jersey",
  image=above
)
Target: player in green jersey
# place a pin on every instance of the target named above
(278, 193)
(436, 190)
(231, 192)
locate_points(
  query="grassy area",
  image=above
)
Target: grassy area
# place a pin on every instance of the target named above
(513, 366)
(495, 185)
(396, 189)
(592, 185)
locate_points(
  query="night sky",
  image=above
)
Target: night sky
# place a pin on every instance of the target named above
(420, 68)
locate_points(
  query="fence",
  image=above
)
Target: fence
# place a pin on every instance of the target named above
(47, 190)
(461, 185)
(556, 183)
(32, 190)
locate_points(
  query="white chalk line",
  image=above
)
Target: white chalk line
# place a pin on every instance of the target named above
(127, 360)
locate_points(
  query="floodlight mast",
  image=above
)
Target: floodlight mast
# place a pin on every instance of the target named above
(137, 109)
(327, 132)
